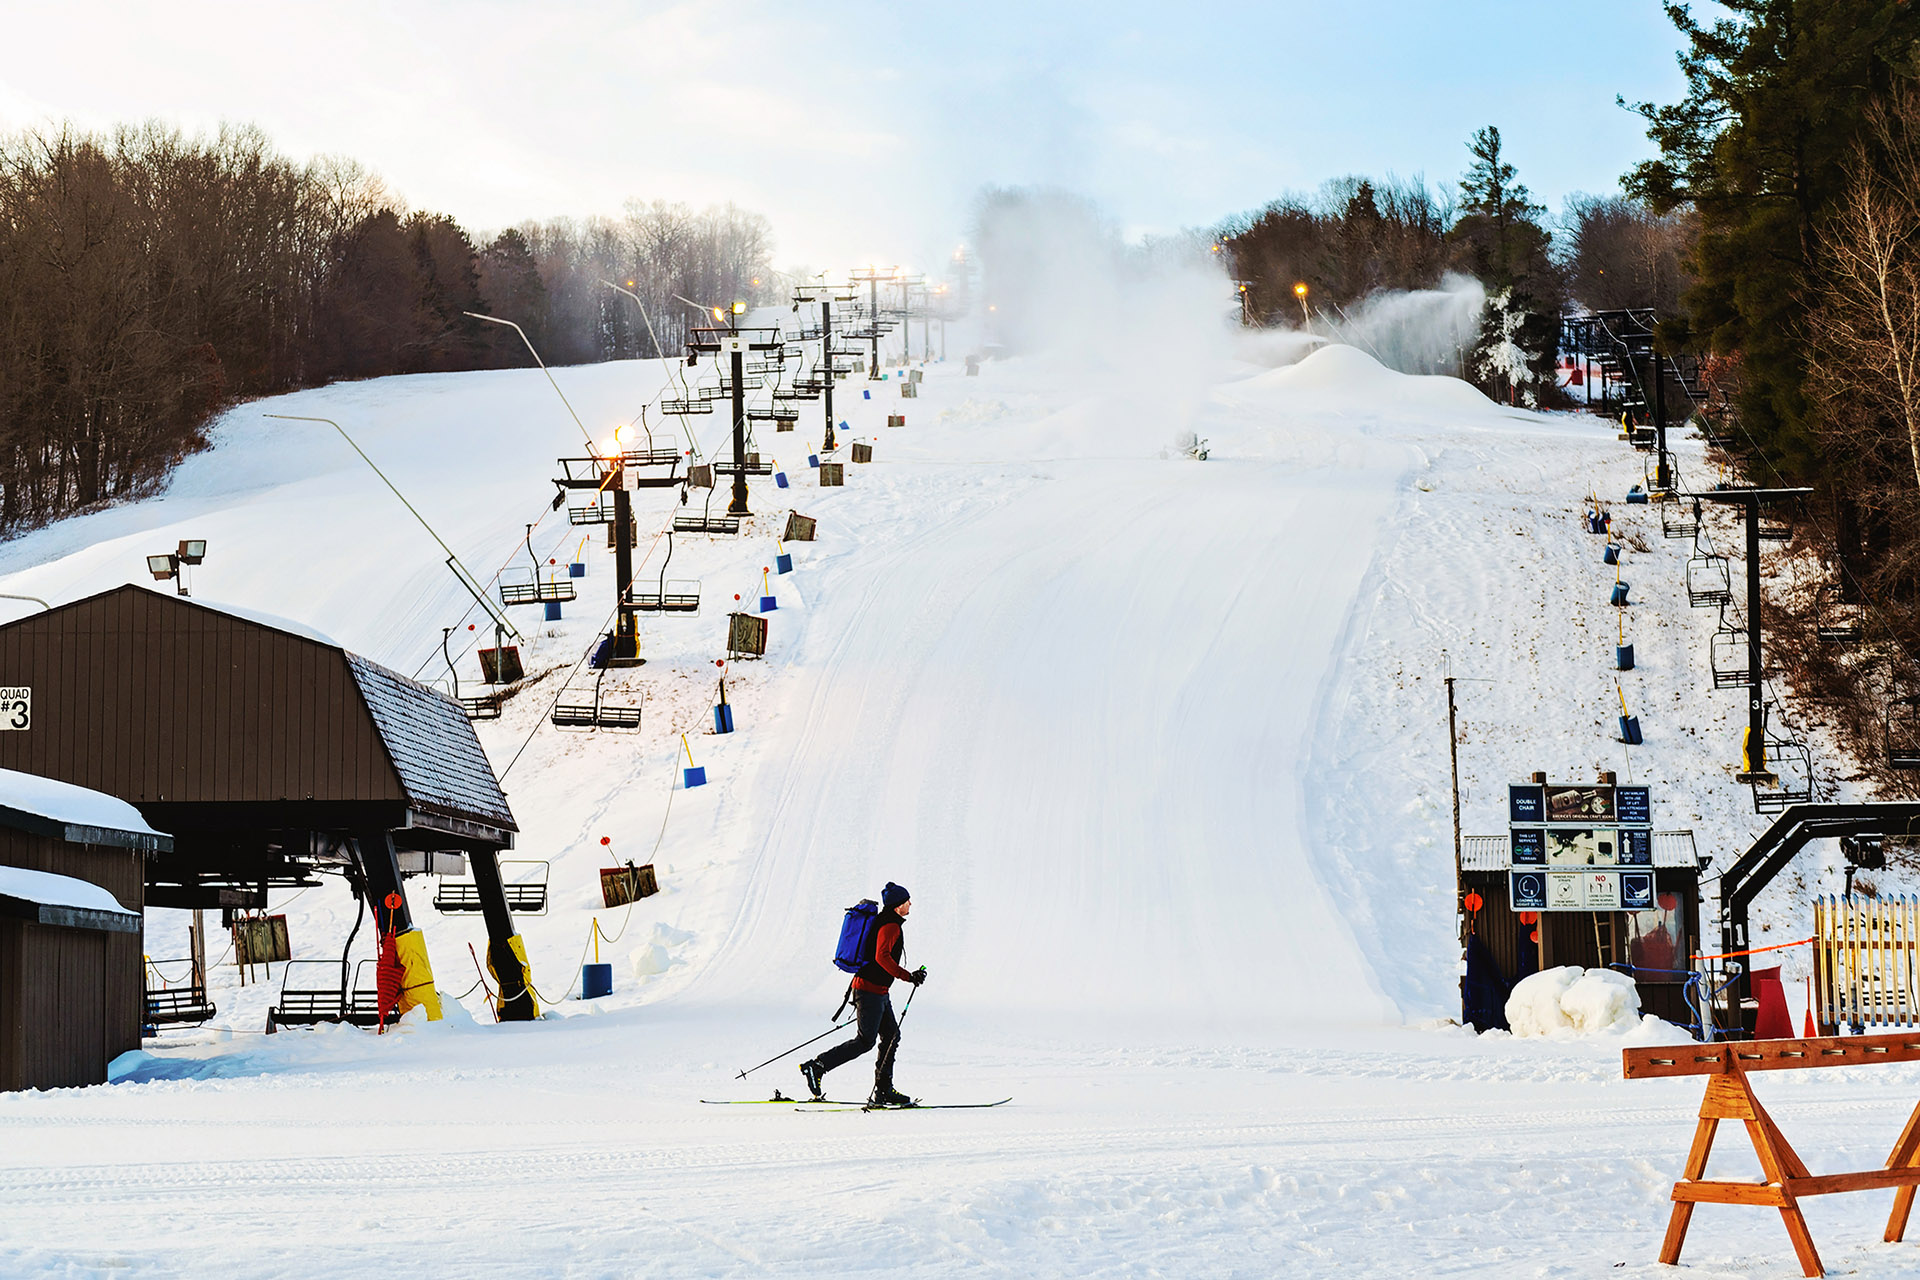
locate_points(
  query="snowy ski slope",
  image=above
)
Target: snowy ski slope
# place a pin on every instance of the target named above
(1157, 744)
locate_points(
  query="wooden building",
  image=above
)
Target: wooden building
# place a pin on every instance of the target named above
(72, 875)
(1657, 943)
(266, 751)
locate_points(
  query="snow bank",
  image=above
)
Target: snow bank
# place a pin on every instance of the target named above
(1571, 1001)
(64, 802)
(1351, 374)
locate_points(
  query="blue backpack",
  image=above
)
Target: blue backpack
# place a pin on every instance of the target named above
(855, 951)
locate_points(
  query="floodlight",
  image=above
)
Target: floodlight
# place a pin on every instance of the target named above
(162, 567)
(740, 308)
(1300, 290)
(192, 550)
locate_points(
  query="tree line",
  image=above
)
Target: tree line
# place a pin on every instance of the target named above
(1358, 236)
(148, 279)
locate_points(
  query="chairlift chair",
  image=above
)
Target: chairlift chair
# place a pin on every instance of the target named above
(323, 994)
(577, 710)
(592, 513)
(1792, 761)
(1834, 620)
(1727, 654)
(1903, 732)
(526, 890)
(535, 591)
(1775, 531)
(670, 595)
(1676, 521)
(1708, 580)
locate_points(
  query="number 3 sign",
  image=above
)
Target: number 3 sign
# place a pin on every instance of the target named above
(16, 707)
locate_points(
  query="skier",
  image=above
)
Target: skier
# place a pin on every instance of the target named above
(873, 1005)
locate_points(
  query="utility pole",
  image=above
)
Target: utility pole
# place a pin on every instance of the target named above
(826, 366)
(737, 353)
(1453, 754)
(1662, 472)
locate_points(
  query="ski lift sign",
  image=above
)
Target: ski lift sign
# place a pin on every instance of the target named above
(1547, 889)
(1580, 848)
(16, 707)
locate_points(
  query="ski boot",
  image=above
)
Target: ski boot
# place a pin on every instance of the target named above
(890, 1097)
(811, 1073)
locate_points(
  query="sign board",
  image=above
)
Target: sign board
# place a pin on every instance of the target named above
(16, 707)
(1565, 841)
(1557, 889)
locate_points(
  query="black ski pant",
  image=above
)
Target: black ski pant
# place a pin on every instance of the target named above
(876, 1022)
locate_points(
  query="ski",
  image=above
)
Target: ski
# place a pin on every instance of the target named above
(777, 1097)
(918, 1106)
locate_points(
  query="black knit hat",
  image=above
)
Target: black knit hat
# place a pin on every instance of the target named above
(893, 895)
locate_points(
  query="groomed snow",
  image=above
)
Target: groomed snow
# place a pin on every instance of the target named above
(1158, 745)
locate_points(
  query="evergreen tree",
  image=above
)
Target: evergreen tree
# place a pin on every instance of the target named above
(1760, 146)
(1499, 239)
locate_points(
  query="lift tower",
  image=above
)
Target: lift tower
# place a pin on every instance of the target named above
(1753, 764)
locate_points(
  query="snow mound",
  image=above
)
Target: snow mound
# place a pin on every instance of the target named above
(1570, 1001)
(1351, 374)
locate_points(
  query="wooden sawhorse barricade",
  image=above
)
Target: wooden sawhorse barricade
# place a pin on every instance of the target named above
(1730, 1097)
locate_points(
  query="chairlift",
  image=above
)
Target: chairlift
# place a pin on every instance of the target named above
(753, 466)
(1792, 762)
(595, 712)
(1677, 522)
(1775, 531)
(172, 1002)
(1708, 580)
(535, 590)
(1834, 620)
(591, 514)
(324, 994)
(526, 890)
(682, 408)
(706, 521)
(485, 706)
(1903, 732)
(1727, 654)
(676, 595)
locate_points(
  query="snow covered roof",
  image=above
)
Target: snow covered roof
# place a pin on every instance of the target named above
(432, 744)
(265, 619)
(49, 807)
(46, 898)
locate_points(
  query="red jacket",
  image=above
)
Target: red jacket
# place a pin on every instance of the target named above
(885, 966)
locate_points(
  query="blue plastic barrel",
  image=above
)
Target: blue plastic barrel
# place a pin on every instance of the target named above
(723, 719)
(1636, 496)
(553, 611)
(576, 570)
(1623, 657)
(1612, 554)
(865, 394)
(596, 980)
(768, 604)
(1630, 730)
(813, 459)
(779, 479)
(1620, 593)
(694, 775)
(783, 562)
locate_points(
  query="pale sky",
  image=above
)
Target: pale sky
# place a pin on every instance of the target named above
(861, 130)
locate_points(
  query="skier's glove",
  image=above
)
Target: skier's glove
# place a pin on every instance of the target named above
(918, 976)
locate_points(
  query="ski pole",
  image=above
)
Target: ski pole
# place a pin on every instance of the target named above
(803, 1044)
(907, 1008)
